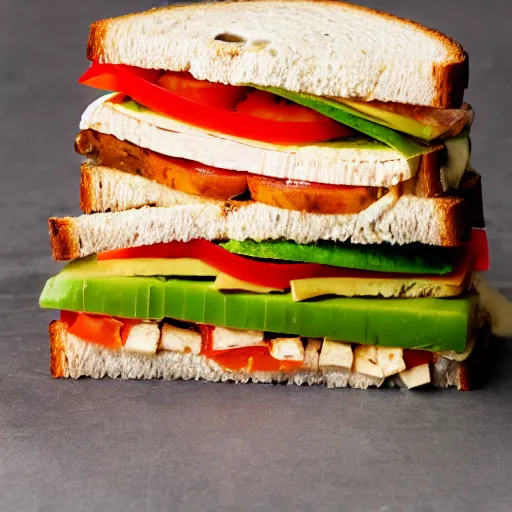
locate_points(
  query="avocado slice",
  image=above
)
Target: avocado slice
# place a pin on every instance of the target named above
(348, 116)
(410, 259)
(429, 324)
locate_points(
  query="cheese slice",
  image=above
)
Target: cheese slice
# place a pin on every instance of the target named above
(358, 284)
(303, 289)
(140, 267)
(226, 282)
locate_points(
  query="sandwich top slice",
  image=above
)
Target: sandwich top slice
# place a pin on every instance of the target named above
(322, 48)
(274, 191)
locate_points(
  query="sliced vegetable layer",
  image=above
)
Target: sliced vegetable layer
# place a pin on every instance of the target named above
(413, 258)
(430, 324)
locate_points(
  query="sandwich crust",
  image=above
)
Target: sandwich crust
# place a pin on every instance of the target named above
(432, 69)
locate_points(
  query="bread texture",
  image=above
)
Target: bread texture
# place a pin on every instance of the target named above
(325, 48)
(72, 357)
(403, 220)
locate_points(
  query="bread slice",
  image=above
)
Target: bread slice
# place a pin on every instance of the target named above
(403, 220)
(72, 357)
(326, 48)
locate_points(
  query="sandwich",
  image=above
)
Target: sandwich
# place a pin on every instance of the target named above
(274, 191)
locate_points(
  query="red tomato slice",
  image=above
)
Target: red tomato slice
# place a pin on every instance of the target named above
(102, 330)
(479, 244)
(139, 85)
(252, 359)
(268, 106)
(263, 273)
(207, 93)
(414, 358)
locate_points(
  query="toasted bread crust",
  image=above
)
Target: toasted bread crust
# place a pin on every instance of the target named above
(86, 189)
(454, 224)
(64, 241)
(450, 77)
(58, 333)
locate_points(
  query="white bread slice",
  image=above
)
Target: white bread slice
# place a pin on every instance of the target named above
(324, 48)
(104, 189)
(326, 162)
(403, 220)
(72, 357)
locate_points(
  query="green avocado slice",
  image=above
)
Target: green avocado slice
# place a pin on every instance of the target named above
(408, 259)
(350, 117)
(429, 324)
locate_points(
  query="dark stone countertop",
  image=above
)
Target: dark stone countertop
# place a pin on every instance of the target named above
(187, 446)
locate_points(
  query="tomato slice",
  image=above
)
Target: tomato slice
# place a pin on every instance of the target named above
(479, 244)
(309, 197)
(102, 330)
(140, 85)
(263, 273)
(268, 106)
(414, 358)
(252, 359)
(208, 93)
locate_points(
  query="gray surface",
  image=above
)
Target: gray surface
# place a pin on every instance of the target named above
(148, 446)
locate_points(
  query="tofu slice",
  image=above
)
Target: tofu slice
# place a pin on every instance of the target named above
(365, 361)
(336, 354)
(390, 360)
(143, 339)
(312, 354)
(417, 376)
(287, 349)
(175, 339)
(225, 339)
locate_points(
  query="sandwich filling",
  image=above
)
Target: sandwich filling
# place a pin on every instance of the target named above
(271, 304)
(297, 142)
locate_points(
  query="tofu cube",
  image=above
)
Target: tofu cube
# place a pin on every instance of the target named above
(390, 360)
(175, 339)
(417, 376)
(287, 349)
(336, 354)
(312, 354)
(365, 361)
(143, 338)
(225, 339)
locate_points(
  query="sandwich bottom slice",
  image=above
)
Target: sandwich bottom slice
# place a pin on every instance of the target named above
(164, 351)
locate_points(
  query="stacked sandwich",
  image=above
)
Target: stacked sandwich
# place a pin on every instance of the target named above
(276, 191)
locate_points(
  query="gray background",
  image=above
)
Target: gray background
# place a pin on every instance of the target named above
(186, 446)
